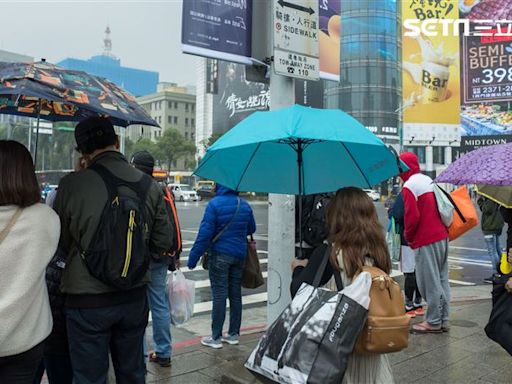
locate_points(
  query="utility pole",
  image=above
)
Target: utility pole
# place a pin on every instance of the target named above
(281, 210)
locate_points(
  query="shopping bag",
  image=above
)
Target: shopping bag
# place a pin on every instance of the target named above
(499, 327)
(444, 205)
(393, 240)
(314, 336)
(465, 216)
(181, 293)
(252, 276)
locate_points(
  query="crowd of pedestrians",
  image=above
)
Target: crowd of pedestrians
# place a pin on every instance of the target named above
(79, 292)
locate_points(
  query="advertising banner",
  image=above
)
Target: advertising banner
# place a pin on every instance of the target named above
(217, 29)
(470, 143)
(486, 55)
(431, 73)
(236, 98)
(329, 38)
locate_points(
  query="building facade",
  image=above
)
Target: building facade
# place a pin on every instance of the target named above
(136, 81)
(171, 107)
(370, 67)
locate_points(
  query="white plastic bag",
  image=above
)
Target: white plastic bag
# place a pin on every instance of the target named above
(182, 294)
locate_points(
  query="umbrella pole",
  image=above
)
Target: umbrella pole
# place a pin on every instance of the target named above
(37, 131)
(301, 193)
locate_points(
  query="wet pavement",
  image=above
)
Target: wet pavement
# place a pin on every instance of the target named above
(463, 356)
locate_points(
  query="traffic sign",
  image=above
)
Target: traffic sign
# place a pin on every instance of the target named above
(296, 50)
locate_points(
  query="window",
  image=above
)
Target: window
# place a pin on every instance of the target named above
(186, 107)
(175, 105)
(169, 119)
(175, 119)
(186, 135)
(193, 107)
(159, 119)
(186, 121)
(438, 155)
(159, 105)
(169, 104)
(193, 122)
(193, 135)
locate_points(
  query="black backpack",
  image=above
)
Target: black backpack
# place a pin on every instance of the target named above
(118, 253)
(315, 220)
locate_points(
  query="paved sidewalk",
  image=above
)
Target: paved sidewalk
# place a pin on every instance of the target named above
(464, 355)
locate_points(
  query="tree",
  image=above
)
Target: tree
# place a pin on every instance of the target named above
(211, 140)
(173, 146)
(141, 145)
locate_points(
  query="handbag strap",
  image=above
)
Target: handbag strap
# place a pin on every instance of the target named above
(449, 197)
(217, 237)
(321, 270)
(10, 224)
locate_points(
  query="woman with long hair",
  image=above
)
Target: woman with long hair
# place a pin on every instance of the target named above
(356, 239)
(29, 233)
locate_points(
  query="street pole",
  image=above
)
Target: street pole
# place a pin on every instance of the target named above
(281, 211)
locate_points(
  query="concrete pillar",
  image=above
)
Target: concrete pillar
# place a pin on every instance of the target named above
(447, 155)
(429, 158)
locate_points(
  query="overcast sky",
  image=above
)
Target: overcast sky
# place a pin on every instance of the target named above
(145, 34)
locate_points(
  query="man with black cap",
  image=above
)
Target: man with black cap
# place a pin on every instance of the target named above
(157, 293)
(108, 311)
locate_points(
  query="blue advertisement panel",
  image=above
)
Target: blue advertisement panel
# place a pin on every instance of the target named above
(218, 29)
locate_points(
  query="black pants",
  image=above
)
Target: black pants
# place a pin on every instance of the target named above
(21, 368)
(412, 293)
(57, 367)
(93, 331)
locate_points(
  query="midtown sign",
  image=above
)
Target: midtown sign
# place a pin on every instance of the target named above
(456, 27)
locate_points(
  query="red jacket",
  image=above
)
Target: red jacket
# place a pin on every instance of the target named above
(422, 221)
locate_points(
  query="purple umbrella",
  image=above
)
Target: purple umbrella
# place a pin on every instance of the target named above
(488, 165)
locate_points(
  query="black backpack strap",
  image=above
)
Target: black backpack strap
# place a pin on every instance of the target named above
(321, 269)
(112, 182)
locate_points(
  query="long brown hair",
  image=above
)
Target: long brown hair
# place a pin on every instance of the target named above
(18, 182)
(355, 230)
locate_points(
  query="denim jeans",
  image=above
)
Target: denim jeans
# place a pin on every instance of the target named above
(493, 249)
(226, 281)
(93, 331)
(160, 311)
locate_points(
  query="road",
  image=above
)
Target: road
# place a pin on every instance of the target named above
(468, 260)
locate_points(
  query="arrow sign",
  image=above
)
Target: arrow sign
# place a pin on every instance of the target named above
(283, 4)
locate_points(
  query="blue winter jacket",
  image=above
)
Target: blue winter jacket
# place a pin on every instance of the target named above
(217, 215)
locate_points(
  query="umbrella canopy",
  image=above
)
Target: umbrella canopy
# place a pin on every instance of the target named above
(268, 151)
(52, 93)
(487, 165)
(499, 194)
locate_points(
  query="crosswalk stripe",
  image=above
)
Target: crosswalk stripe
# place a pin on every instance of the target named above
(461, 282)
(469, 261)
(206, 283)
(249, 299)
(468, 249)
(195, 232)
(200, 267)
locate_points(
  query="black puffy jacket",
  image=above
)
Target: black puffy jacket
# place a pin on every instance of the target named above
(507, 216)
(57, 342)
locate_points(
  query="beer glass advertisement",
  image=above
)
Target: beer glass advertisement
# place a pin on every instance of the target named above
(236, 98)
(486, 54)
(329, 38)
(431, 73)
(217, 28)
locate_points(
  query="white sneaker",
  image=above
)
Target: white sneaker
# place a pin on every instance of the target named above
(209, 342)
(230, 339)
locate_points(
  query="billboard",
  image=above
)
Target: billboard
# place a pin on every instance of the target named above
(236, 98)
(431, 73)
(486, 60)
(329, 38)
(217, 28)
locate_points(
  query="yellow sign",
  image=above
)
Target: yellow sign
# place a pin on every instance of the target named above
(431, 73)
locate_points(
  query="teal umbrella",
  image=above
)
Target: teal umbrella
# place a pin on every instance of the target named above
(268, 151)
(329, 149)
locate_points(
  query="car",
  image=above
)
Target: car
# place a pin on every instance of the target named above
(184, 192)
(206, 191)
(373, 194)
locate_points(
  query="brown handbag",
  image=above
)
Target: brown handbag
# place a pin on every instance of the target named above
(387, 327)
(252, 276)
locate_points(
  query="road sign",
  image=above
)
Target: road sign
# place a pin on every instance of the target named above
(296, 50)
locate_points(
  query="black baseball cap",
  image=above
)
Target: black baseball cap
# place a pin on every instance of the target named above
(94, 133)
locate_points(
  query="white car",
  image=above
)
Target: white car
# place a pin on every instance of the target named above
(184, 192)
(373, 194)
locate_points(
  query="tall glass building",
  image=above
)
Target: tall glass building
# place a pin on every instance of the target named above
(370, 74)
